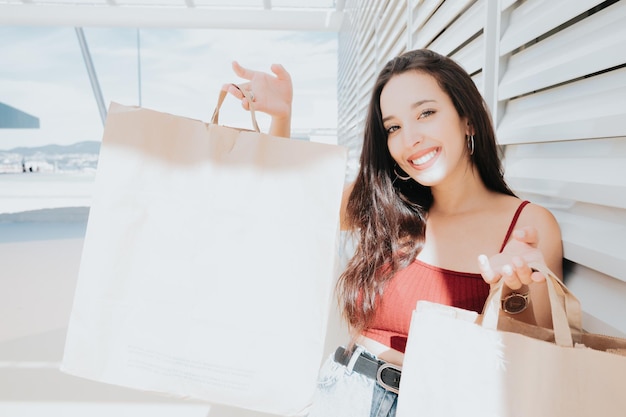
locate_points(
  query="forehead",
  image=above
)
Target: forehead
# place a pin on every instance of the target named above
(410, 87)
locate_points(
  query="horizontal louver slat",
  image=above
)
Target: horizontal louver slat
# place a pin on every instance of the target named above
(587, 47)
(594, 107)
(534, 18)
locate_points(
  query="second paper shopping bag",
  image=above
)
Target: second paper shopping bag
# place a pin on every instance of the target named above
(459, 363)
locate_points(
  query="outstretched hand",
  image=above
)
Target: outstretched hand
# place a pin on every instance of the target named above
(512, 263)
(273, 94)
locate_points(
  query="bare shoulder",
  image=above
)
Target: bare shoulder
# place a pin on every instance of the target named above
(532, 215)
(539, 217)
(549, 239)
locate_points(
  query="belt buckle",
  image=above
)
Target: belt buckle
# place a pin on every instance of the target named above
(379, 376)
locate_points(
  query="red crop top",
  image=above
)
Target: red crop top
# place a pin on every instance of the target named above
(421, 281)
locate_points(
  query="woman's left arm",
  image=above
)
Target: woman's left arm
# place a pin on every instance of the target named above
(537, 239)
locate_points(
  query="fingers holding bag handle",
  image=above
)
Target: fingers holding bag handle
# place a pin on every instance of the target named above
(566, 315)
(560, 325)
(272, 95)
(245, 94)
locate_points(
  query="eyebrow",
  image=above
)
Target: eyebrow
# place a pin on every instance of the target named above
(413, 106)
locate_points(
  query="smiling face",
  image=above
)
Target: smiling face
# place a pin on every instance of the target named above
(426, 135)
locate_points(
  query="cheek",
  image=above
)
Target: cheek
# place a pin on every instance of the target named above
(394, 148)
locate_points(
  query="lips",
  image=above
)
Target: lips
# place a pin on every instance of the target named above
(424, 159)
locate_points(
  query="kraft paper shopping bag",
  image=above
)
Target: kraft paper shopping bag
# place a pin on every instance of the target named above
(208, 263)
(460, 363)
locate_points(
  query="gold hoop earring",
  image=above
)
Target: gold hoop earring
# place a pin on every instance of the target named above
(400, 177)
(470, 144)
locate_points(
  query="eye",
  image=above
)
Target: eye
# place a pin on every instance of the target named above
(392, 129)
(426, 113)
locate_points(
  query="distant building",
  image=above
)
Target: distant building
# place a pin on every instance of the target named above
(323, 135)
(12, 118)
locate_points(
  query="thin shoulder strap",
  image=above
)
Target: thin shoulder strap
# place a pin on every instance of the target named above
(513, 222)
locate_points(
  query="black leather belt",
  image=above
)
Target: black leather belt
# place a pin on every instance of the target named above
(386, 374)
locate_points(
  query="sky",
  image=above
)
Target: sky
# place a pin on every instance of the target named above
(42, 73)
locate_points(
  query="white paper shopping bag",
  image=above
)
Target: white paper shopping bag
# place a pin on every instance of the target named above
(208, 263)
(458, 363)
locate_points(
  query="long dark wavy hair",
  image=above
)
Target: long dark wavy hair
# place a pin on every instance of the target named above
(388, 214)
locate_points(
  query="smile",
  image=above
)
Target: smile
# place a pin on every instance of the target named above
(424, 158)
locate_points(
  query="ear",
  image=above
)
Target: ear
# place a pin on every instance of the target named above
(469, 128)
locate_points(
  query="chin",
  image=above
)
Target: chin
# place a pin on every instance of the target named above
(429, 181)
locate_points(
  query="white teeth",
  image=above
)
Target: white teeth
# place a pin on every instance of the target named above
(423, 159)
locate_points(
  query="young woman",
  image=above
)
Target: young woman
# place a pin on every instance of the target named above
(428, 202)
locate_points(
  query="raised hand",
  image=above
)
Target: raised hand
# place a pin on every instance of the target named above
(272, 94)
(512, 263)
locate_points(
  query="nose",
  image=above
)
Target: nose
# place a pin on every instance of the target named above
(411, 135)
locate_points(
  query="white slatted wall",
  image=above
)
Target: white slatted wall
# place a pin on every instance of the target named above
(373, 32)
(554, 74)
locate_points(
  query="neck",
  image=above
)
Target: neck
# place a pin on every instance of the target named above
(459, 196)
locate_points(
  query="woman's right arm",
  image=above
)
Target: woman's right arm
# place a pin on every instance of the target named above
(273, 94)
(344, 223)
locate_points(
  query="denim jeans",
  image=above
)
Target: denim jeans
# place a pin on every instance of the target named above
(341, 392)
(383, 402)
